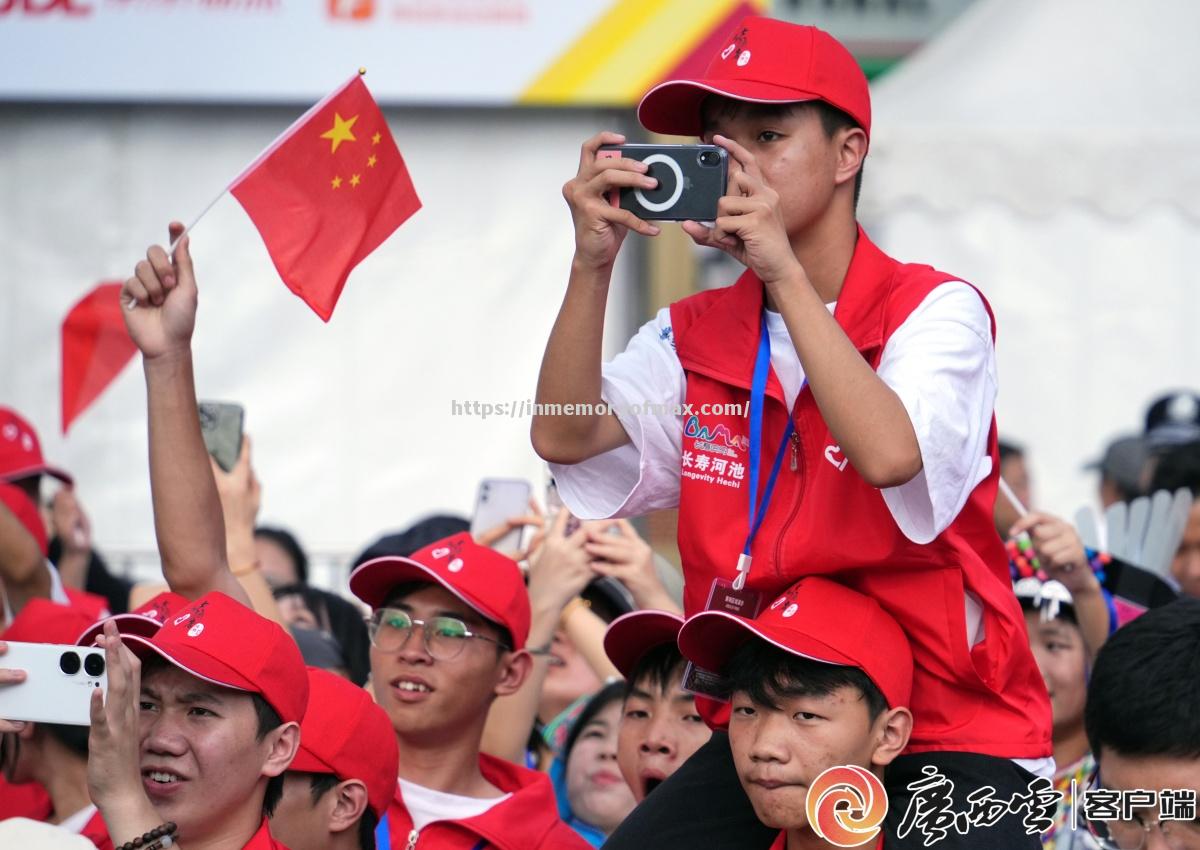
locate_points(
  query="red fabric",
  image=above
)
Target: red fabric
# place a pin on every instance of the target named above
(824, 519)
(327, 194)
(632, 635)
(144, 620)
(43, 621)
(26, 511)
(28, 800)
(95, 348)
(263, 840)
(96, 831)
(528, 820)
(95, 606)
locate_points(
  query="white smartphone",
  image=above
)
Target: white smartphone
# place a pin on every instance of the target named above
(59, 680)
(500, 499)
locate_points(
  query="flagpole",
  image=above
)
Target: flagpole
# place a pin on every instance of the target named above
(1012, 498)
(131, 304)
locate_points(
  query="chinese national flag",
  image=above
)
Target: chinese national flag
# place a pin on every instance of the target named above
(95, 348)
(327, 193)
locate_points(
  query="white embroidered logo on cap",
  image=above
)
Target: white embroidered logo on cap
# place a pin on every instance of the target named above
(778, 602)
(440, 552)
(456, 565)
(743, 59)
(1182, 408)
(10, 432)
(181, 618)
(790, 611)
(728, 50)
(195, 630)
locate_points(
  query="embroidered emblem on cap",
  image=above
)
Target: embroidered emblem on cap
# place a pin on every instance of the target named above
(790, 611)
(10, 432)
(440, 552)
(456, 565)
(1182, 408)
(196, 614)
(743, 59)
(195, 630)
(738, 44)
(778, 602)
(27, 442)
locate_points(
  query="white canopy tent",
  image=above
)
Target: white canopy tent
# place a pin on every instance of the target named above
(1048, 151)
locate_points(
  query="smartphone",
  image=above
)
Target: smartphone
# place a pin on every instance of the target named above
(500, 499)
(691, 180)
(59, 680)
(221, 425)
(554, 504)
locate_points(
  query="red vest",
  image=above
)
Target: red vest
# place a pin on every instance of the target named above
(824, 519)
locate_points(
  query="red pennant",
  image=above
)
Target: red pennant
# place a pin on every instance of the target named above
(95, 348)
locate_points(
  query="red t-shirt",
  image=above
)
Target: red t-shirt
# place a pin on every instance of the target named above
(28, 800)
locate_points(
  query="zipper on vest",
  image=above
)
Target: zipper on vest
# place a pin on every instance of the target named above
(412, 840)
(795, 450)
(797, 465)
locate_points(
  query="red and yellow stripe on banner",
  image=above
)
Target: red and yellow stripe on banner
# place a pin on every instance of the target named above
(634, 45)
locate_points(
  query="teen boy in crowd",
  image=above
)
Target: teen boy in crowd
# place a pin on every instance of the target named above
(1144, 729)
(660, 727)
(344, 775)
(192, 740)
(448, 631)
(882, 410)
(820, 679)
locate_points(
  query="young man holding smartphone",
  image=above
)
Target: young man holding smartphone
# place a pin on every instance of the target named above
(874, 380)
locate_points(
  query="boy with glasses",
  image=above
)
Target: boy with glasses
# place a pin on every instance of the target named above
(448, 634)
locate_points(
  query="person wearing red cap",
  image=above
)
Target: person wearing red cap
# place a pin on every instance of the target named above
(448, 633)
(344, 775)
(870, 450)
(53, 755)
(200, 722)
(660, 727)
(821, 679)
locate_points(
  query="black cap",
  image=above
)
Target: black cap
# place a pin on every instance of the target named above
(1173, 420)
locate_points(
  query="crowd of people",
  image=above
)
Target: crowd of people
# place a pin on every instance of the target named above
(854, 656)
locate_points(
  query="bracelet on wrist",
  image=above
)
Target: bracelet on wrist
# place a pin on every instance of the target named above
(571, 607)
(159, 838)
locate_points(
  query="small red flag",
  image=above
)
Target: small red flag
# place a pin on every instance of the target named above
(95, 348)
(327, 193)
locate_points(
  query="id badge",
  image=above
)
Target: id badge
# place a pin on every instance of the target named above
(721, 597)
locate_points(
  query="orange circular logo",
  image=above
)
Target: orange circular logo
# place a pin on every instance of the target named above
(846, 805)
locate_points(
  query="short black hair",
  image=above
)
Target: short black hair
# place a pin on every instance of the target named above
(603, 698)
(767, 674)
(660, 667)
(832, 120)
(1177, 468)
(74, 738)
(268, 719)
(320, 784)
(417, 536)
(1145, 685)
(1008, 449)
(286, 541)
(400, 591)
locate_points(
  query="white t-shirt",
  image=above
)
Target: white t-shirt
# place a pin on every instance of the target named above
(941, 362)
(426, 805)
(58, 594)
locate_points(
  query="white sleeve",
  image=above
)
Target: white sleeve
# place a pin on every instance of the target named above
(642, 475)
(942, 363)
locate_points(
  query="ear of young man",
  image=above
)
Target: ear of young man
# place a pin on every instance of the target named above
(891, 731)
(347, 803)
(280, 746)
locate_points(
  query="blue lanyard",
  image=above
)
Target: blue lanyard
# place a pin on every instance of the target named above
(758, 391)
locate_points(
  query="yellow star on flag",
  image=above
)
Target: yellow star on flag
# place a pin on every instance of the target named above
(354, 181)
(339, 132)
(375, 139)
(337, 182)
(371, 161)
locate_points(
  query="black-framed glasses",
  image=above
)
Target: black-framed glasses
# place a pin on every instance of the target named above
(1128, 829)
(445, 637)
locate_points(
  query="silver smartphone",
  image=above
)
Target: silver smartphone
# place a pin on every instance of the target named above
(498, 500)
(59, 680)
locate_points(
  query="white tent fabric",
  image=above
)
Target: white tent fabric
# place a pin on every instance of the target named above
(352, 422)
(1047, 151)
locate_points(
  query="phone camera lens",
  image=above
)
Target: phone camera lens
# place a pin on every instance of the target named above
(93, 665)
(68, 662)
(709, 159)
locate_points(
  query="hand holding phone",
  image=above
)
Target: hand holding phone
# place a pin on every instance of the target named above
(498, 501)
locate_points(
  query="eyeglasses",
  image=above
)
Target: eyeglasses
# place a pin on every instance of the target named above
(1134, 832)
(445, 637)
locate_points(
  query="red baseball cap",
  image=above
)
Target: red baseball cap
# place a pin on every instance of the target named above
(26, 512)
(144, 620)
(764, 61)
(817, 619)
(489, 582)
(21, 451)
(345, 733)
(43, 621)
(632, 635)
(222, 641)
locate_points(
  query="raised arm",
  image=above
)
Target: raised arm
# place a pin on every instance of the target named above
(570, 371)
(187, 510)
